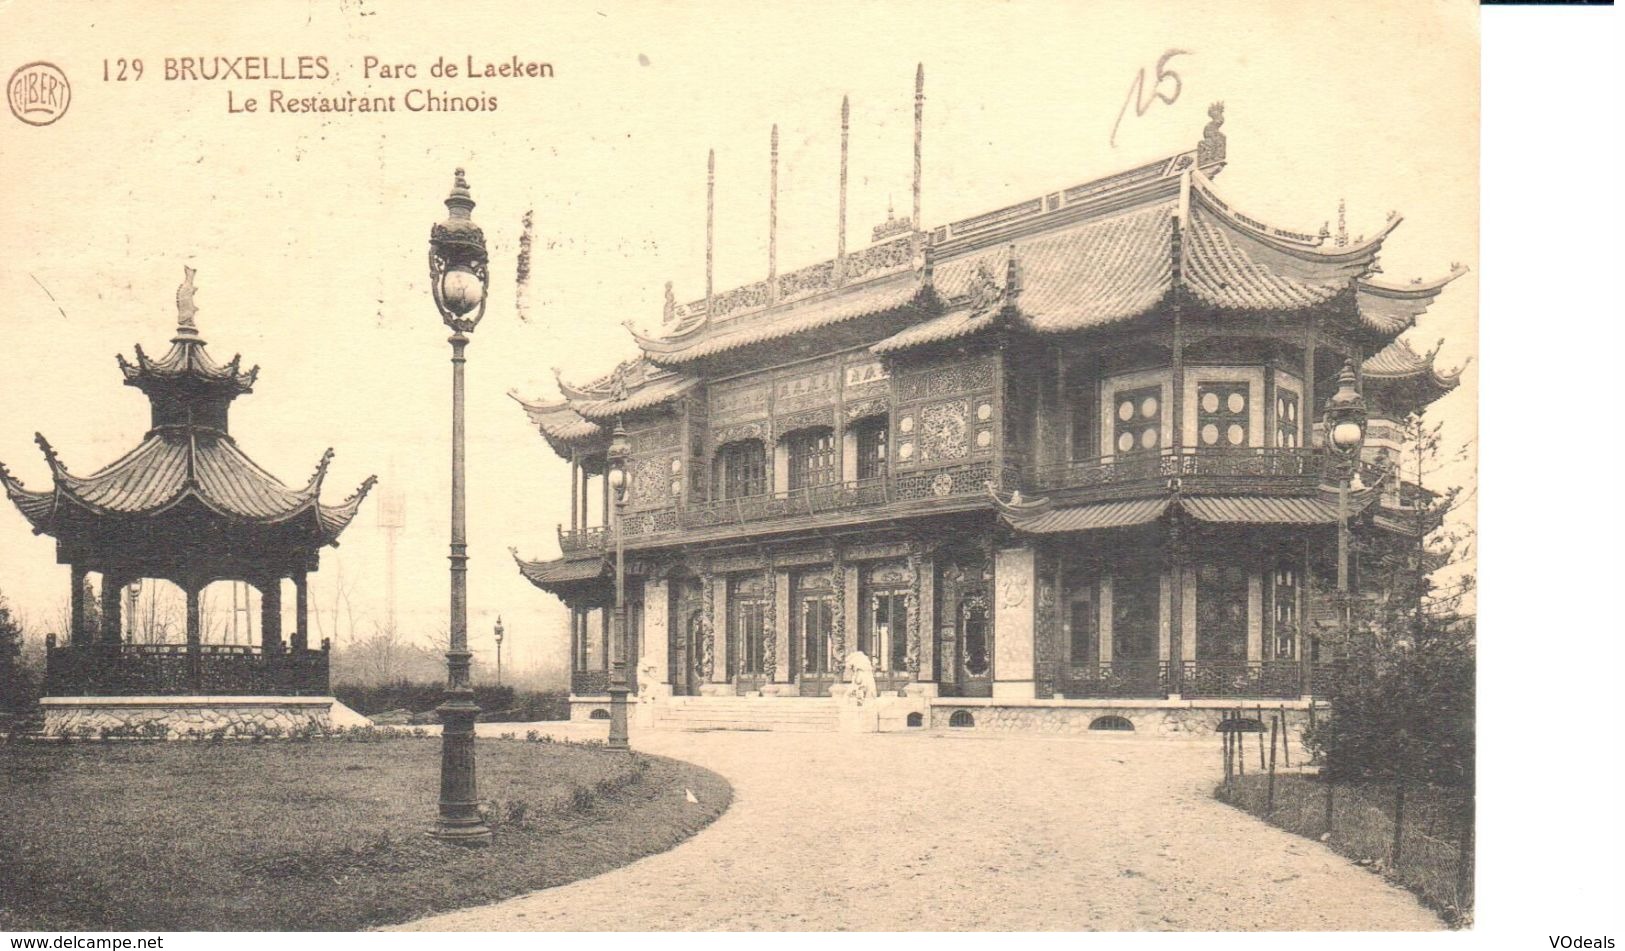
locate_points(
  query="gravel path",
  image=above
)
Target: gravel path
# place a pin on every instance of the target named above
(931, 832)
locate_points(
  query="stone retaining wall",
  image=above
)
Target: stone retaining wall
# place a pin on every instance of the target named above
(1171, 719)
(180, 717)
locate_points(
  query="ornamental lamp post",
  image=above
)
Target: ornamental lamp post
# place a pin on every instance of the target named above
(618, 478)
(497, 633)
(458, 280)
(1345, 419)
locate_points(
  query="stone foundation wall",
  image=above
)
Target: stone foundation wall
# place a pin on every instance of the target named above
(581, 708)
(1170, 720)
(183, 717)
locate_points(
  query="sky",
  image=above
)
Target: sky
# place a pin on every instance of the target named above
(309, 232)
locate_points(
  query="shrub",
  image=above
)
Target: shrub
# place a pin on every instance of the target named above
(498, 704)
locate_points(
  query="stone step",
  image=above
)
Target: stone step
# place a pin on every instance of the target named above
(772, 714)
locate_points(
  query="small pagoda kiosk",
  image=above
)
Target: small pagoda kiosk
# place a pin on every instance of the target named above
(189, 506)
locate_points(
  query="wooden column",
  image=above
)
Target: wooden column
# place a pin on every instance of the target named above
(271, 615)
(301, 611)
(575, 492)
(194, 634)
(78, 635)
(112, 631)
(1309, 412)
(604, 616)
(1176, 619)
(604, 481)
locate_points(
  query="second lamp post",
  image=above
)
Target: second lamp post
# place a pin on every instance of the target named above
(618, 479)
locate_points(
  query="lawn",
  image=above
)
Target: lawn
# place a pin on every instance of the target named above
(1362, 828)
(321, 834)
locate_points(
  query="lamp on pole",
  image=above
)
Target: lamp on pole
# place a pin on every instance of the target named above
(618, 478)
(458, 279)
(497, 633)
(1345, 435)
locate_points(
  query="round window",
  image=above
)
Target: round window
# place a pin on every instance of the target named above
(1236, 403)
(1148, 408)
(1235, 434)
(1210, 434)
(1125, 411)
(1148, 439)
(1210, 402)
(905, 451)
(1125, 442)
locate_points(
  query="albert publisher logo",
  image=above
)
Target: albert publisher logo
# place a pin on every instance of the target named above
(38, 93)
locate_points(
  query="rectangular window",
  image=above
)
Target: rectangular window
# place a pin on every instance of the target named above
(750, 632)
(1221, 613)
(744, 470)
(1284, 613)
(1083, 633)
(1136, 615)
(883, 630)
(1286, 419)
(812, 458)
(872, 440)
(1222, 414)
(1138, 419)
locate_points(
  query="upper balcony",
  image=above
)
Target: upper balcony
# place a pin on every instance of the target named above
(963, 487)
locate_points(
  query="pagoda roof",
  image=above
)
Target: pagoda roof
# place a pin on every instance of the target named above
(556, 575)
(634, 385)
(188, 359)
(559, 424)
(172, 465)
(695, 340)
(1041, 516)
(1401, 380)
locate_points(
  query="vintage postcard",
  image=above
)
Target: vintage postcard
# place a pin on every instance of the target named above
(736, 467)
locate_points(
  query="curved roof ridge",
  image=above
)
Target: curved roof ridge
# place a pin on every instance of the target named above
(1299, 244)
(1418, 287)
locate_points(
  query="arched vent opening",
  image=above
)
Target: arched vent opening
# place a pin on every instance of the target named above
(1120, 724)
(962, 719)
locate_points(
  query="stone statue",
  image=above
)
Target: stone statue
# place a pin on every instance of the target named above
(186, 310)
(860, 674)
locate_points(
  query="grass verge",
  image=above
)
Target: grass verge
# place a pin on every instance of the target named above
(1362, 828)
(318, 835)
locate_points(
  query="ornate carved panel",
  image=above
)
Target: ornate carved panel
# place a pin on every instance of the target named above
(799, 557)
(736, 400)
(888, 574)
(723, 435)
(878, 258)
(657, 481)
(804, 420)
(805, 389)
(947, 379)
(944, 431)
(866, 408)
(875, 550)
(736, 561)
(668, 435)
(862, 375)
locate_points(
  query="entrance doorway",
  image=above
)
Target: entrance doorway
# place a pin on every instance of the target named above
(685, 639)
(966, 647)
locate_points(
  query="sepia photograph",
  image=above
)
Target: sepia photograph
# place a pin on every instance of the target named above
(739, 468)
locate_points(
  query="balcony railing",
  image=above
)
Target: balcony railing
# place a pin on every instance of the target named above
(1139, 679)
(941, 482)
(1300, 468)
(589, 683)
(137, 670)
(1295, 465)
(1278, 679)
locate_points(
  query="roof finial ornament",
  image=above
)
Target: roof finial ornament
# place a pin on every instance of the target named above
(710, 222)
(186, 310)
(668, 310)
(919, 116)
(51, 458)
(1212, 148)
(1012, 285)
(840, 226)
(1342, 225)
(773, 216)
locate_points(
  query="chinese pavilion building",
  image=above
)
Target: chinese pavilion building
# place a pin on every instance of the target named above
(188, 506)
(1048, 464)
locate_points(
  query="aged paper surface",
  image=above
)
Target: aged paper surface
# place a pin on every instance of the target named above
(296, 156)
